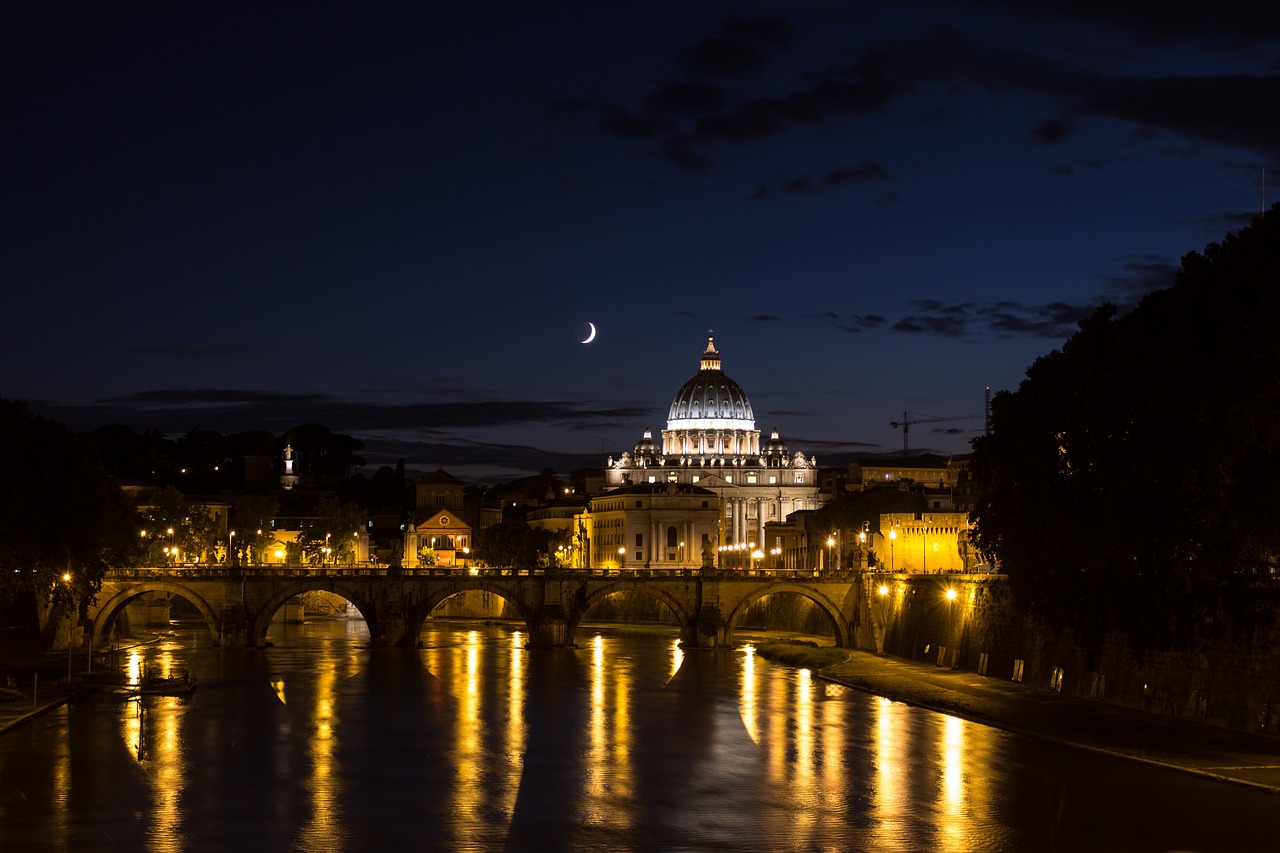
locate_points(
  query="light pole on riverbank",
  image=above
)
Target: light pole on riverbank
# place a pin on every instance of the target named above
(71, 621)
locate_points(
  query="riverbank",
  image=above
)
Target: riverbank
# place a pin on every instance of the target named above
(42, 682)
(1198, 748)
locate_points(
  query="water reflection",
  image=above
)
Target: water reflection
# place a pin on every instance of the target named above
(323, 830)
(625, 744)
(608, 770)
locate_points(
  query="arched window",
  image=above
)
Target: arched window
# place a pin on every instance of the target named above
(672, 538)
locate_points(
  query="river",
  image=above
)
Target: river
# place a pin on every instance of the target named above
(474, 742)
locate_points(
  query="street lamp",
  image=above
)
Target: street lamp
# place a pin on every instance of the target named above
(231, 546)
(173, 545)
(831, 540)
(71, 621)
(862, 545)
(622, 551)
(893, 534)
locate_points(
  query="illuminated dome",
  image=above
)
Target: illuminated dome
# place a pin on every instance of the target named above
(711, 400)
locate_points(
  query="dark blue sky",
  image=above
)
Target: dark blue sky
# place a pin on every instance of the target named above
(393, 220)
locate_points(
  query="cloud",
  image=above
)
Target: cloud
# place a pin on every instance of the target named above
(230, 409)
(192, 351)
(854, 323)
(766, 318)
(865, 171)
(742, 47)
(687, 118)
(1053, 320)
(1052, 131)
(1139, 276)
(1225, 23)
(836, 178)
(685, 98)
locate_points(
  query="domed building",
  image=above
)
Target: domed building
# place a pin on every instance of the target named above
(711, 442)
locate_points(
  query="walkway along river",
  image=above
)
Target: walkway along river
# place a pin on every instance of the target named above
(475, 742)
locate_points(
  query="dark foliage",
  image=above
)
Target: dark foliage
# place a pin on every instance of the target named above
(1129, 482)
(59, 515)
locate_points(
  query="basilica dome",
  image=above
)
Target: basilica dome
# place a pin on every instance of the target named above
(711, 400)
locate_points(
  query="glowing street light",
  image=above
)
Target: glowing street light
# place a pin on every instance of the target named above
(622, 550)
(831, 540)
(71, 622)
(893, 534)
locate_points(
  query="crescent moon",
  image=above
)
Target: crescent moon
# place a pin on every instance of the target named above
(592, 335)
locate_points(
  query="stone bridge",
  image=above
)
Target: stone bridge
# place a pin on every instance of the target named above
(238, 604)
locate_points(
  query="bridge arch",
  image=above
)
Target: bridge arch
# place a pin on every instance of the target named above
(261, 616)
(118, 597)
(843, 628)
(507, 592)
(683, 617)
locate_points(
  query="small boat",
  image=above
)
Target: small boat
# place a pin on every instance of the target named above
(173, 685)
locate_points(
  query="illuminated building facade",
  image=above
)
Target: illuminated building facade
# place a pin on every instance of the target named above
(711, 442)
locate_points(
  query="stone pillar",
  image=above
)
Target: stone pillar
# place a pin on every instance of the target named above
(551, 628)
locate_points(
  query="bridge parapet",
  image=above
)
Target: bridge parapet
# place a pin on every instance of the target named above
(239, 602)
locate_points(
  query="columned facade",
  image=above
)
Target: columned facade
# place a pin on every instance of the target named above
(711, 442)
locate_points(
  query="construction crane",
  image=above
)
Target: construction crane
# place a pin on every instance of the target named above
(907, 421)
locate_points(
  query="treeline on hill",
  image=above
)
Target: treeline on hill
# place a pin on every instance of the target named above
(64, 518)
(1130, 481)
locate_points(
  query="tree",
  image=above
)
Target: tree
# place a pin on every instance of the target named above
(517, 545)
(340, 522)
(60, 515)
(252, 518)
(1129, 482)
(173, 530)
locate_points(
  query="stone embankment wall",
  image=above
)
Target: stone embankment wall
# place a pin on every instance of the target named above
(1231, 680)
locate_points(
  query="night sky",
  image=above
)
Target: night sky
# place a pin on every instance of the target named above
(396, 220)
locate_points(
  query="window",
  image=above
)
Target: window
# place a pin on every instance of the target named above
(773, 479)
(706, 505)
(639, 504)
(696, 477)
(639, 542)
(751, 478)
(671, 477)
(672, 541)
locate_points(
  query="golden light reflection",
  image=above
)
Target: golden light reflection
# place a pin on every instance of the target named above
(324, 830)
(747, 702)
(954, 832)
(806, 812)
(888, 787)
(62, 782)
(608, 761)
(677, 658)
(468, 800)
(167, 772)
(517, 732)
(133, 667)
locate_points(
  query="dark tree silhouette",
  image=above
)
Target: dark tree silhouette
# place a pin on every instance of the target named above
(59, 515)
(1129, 482)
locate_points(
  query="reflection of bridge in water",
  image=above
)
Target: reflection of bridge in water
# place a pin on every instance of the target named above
(239, 604)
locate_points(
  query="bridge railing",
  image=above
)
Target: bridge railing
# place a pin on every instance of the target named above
(212, 571)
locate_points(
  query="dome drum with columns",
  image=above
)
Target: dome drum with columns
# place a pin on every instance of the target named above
(711, 441)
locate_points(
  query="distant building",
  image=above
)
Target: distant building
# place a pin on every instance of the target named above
(711, 442)
(664, 525)
(443, 538)
(927, 470)
(929, 542)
